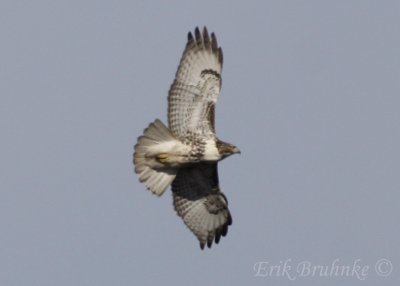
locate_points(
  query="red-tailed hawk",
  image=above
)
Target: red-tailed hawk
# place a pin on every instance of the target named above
(186, 154)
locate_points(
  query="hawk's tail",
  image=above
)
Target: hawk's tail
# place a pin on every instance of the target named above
(155, 175)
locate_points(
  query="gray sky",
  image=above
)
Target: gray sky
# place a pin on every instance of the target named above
(311, 96)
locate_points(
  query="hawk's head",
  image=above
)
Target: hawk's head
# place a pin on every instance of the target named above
(226, 149)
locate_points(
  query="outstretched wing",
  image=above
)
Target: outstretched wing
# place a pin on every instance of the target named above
(194, 92)
(200, 203)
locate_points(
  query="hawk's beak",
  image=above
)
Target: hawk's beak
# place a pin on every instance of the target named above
(236, 151)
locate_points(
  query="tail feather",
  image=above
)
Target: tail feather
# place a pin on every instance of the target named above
(155, 175)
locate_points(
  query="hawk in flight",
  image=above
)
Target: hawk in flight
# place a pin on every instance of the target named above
(185, 155)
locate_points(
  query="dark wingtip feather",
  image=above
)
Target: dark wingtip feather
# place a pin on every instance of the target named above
(206, 38)
(190, 37)
(225, 226)
(205, 30)
(220, 56)
(197, 34)
(214, 43)
(229, 222)
(224, 230)
(218, 235)
(202, 245)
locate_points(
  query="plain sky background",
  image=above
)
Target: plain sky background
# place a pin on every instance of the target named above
(311, 96)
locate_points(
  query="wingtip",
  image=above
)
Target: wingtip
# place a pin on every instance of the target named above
(190, 37)
(205, 32)
(197, 34)
(220, 56)
(206, 38)
(214, 43)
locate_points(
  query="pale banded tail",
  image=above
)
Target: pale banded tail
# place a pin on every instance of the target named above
(155, 175)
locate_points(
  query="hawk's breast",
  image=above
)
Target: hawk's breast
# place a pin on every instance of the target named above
(210, 151)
